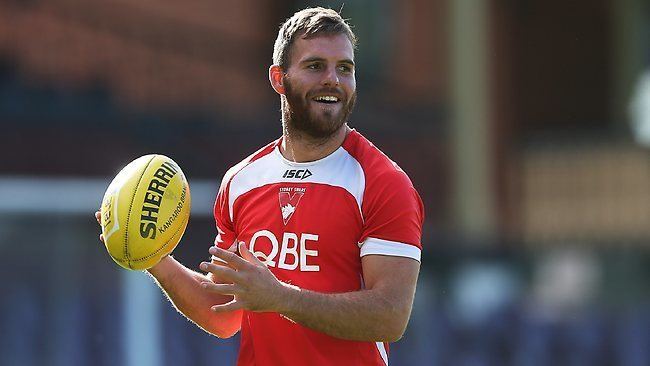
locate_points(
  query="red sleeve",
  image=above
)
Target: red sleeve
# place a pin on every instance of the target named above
(393, 215)
(228, 323)
(225, 229)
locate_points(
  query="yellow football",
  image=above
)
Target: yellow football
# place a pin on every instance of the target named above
(145, 211)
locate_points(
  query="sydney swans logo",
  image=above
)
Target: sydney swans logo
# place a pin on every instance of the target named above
(289, 199)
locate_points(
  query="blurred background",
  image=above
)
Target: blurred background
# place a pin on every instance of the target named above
(524, 125)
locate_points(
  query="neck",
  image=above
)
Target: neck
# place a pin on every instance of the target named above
(300, 148)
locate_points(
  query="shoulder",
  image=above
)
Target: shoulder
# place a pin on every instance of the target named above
(378, 168)
(237, 168)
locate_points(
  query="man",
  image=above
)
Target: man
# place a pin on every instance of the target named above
(318, 247)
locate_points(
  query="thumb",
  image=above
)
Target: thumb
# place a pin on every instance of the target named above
(247, 255)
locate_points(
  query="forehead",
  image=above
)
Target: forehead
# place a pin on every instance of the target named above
(330, 47)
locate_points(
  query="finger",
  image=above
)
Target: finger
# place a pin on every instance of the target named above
(222, 273)
(229, 306)
(218, 261)
(224, 289)
(247, 255)
(101, 237)
(231, 258)
(98, 217)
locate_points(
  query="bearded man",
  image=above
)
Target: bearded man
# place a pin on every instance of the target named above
(319, 233)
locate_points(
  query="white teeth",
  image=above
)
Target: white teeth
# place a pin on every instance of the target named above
(327, 98)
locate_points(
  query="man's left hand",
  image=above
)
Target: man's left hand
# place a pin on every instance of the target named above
(252, 284)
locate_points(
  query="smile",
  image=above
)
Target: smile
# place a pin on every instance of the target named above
(326, 99)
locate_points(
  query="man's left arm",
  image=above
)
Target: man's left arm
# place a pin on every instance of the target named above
(378, 313)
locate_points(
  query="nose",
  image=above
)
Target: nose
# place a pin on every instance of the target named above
(331, 77)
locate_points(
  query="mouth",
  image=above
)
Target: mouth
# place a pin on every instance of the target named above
(326, 99)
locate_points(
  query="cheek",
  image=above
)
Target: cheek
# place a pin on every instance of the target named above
(351, 88)
(349, 83)
(301, 89)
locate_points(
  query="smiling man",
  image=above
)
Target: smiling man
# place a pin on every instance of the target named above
(318, 246)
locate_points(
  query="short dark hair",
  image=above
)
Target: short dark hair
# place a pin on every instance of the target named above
(308, 23)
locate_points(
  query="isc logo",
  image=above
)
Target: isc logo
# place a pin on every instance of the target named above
(294, 251)
(297, 173)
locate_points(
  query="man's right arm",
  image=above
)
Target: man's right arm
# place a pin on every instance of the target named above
(183, 288)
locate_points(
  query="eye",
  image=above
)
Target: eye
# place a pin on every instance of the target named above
(314, 66)
(345, 68)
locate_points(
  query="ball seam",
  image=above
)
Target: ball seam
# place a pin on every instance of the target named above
(128, 215)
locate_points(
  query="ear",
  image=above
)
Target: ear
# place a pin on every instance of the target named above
(276, 78)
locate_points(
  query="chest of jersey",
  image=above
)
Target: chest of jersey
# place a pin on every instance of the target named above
(306, 233)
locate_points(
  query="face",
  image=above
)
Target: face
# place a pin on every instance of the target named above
(320, 87)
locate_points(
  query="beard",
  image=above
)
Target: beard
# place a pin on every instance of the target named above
(297, 117)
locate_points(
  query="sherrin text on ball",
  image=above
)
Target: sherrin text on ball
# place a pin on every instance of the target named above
(145, 211)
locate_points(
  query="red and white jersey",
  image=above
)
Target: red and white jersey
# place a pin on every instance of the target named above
(311, 223)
